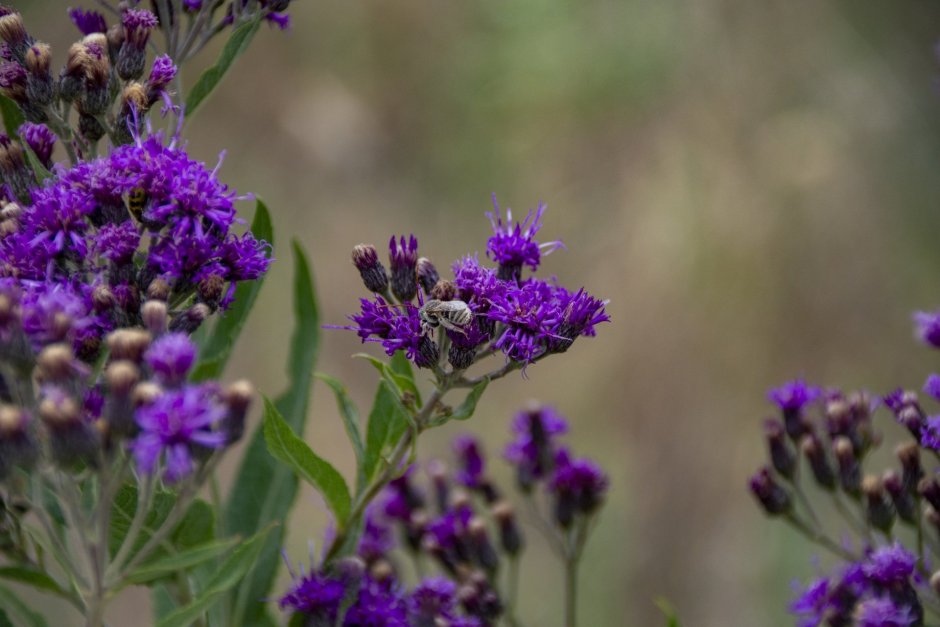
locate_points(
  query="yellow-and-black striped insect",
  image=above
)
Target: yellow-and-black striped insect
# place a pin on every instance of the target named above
(136, 202)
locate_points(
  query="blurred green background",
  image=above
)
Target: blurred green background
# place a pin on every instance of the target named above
(753, 185)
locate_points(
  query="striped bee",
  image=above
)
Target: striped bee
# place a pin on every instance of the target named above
(453, 315)
(136, 202)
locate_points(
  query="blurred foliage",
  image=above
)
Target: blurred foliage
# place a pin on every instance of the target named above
(753, 184)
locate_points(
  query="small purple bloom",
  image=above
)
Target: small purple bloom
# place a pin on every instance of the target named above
(930, 433)
(890, 564)
(173, 426)
(403, 261)
(813, 603)
(882, 612)
(376, 540)
(513, 246)
(281, 20)
(533, 449)
(41, 141)
(245, 257)
(932, 386)
(470, 460)
(170, 357)
(314, 595)
(137, 26)
(928, 327)
(162, 73)
(378, 605)
(88, 22)
(434, 597)
(117, 242)
(793, 396)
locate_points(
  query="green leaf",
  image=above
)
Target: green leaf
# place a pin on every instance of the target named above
(211, 78)
(162, 601)
(173, 564)
(14, 605)
(216, 347)
(404, 374)
(34, 578)
(266, 488)
(672, 619)
(122, 515)
(388, 420)
(469, 404)
(5, 620)
(197, 526)
(350, 414)
(42, 173)
(12, 116)
(229, 574)
(284, 444)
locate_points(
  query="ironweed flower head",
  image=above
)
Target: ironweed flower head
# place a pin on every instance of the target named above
(88, 22)
(403, 260)
(513, 245)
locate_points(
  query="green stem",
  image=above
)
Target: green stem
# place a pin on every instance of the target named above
(571, 592)
(820, 538)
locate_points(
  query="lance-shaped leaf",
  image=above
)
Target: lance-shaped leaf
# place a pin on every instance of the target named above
(33, 578)
(388, 421)
(350, 415)
(266, 487)
(229, 574)
(284, 444)
(14, 606)
(184, 561)
(210, 79)
(466, 408)
(12, 116)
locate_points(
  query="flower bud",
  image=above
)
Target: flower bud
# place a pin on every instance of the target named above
(428, 353)
(510, 536)
(122, 378)
(146, 393)
(911, 469)
(132, 57)
(189, 320)
(90, 128)
(437, 471)
(432, 547)
(134, 104)
(158, 289)
(771, 496)
(818, 462)
(878, 509)
(237, 398)
(904, 503)
(850, 474)
(427, 274)
(444, 290)
(935, 582)
(403, 259)
(18, 447)
(373, 274)
(72, 77)
(72, 441)
(483, 552)
(56, 364)
(930, 490)
(14, 170)
(97, 97)
(461, 357)
(39, 86)
(13, 33)
(154, 315)
(479, 599)
(781, 455)
(129, 344)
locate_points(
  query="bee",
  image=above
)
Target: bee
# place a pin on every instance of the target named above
(453, 315)
(136, 201)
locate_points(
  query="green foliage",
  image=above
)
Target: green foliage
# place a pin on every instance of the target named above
(290, 449)
(672, 619)
(122, 515)
(468, 406)
(228, 575)
(216, 346)
(13, 605)
(173, 564)
(267, 488)
(210, 79)
(33, 578)
(388, 420)
(12, 116)
(41, 172)
(350, 415)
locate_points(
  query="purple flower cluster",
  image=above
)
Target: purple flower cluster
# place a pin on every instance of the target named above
(76, 251)
(878, 591)
(525, 318)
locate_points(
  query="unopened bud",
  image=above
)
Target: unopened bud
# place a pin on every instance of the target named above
(912, 471)
(56, 363)
(39, 86)
(904, 503)
(850, 473)
(158, 289)
(13, 32)
(510, 537)
(771, 496)
(483, 552)
(190, 320)
(427, 274)
(930, 490)
(154, 315)
(18, 447)
(878, 509)
(935, 582)
(72, 441)
(373, 274)
(129, 344)
(145, 393)
(237, 397)
(437, 471)
(818, 462)
(415, 528)
(444, 290)
(781, 455)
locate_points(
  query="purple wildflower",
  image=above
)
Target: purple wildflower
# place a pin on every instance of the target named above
(192, 5)
(170, 358)
(930, 433)
(40, 139)
(513, 246)
(396, 329)
(403, 261)
(174, 426)
(928, 327)
(314, 595)
(137, 26)
(889, 565)
(376, 540)
(582, 482)
(117, 242)
(813, 603)
(378, 605)
(281, 20)
(162, 73)
(882, 612)
(245, 257)
(434, 597)
(533, 450)
(470, 459)
(793, 396)
(932, 386)
(88, 22)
